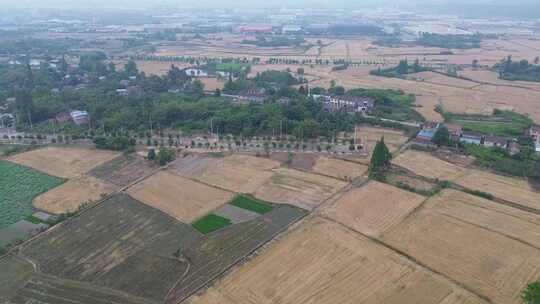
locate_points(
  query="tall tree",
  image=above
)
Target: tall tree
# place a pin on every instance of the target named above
(403, 67)
(441, 137)
(25, 105)
(131, 68)
(380, 160)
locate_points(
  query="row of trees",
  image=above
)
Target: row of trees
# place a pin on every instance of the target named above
(519, 70)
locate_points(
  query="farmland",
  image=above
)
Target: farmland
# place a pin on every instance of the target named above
(63, 162)
(72, 194)
(429, 166)
(466, 242)
(19, 186)
(512, 189)
(181, 198)
(123, 170)
(135, 253)
(337, 168)
(368, 137)
(323, 255)
(238, 173)
(301, 189)
(373, 208)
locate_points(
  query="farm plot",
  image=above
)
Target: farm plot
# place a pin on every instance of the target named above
(327, 263)
(73, 194)
(193, 165)
(181, 198)
(458, 236)
(303, 190)
(337, 168)
(239, 173)
(14, 274)
(512, 222)
(373, 208)
(125, 246)
(369, 136)
(217, 251)
(429, 166)
(19, 185)
(511, 189)
(63, 162)
(303, 161)
(49, 290)
(123, 170)
(121, 244)
(402, 179)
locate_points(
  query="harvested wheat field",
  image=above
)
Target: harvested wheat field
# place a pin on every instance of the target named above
(303, 161)
(259, 163)
(192, 165)
(239, 173)
(63, 162)
(429, 166)
(512, 222)
(72, 194)
(492, 264)
(337, 168)
(124, 170)
(179, 197)
(374, 208)
(368, 136)
(328, 263)
(300, 189)
(515, 190)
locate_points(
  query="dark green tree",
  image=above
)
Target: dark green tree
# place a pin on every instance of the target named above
(441, 137)
(531, 295)
(131, 68)
(151, 154)
(380, 160)
(165, 156)
(403, 67)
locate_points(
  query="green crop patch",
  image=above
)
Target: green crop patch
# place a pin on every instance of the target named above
(19, 185)
(251, 204)
(211, 223)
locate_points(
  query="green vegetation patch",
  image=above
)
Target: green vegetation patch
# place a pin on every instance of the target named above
(403, 68)
(19, 185)
(211, 223)
(390, 104)
(501, 123)
(230, 66)
(252, 204)
(519, 70)
(450, 41)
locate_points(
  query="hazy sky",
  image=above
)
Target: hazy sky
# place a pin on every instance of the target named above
(228, 3)
(484, 8)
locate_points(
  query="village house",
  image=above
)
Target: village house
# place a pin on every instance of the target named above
(534, 132)
(62, 117)
(427, 131)
(455, 131)
(471, 138)
(122, 92)
(345, 103)
(79, 117)
(513, 147)
(255, 95)
(491, 141)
